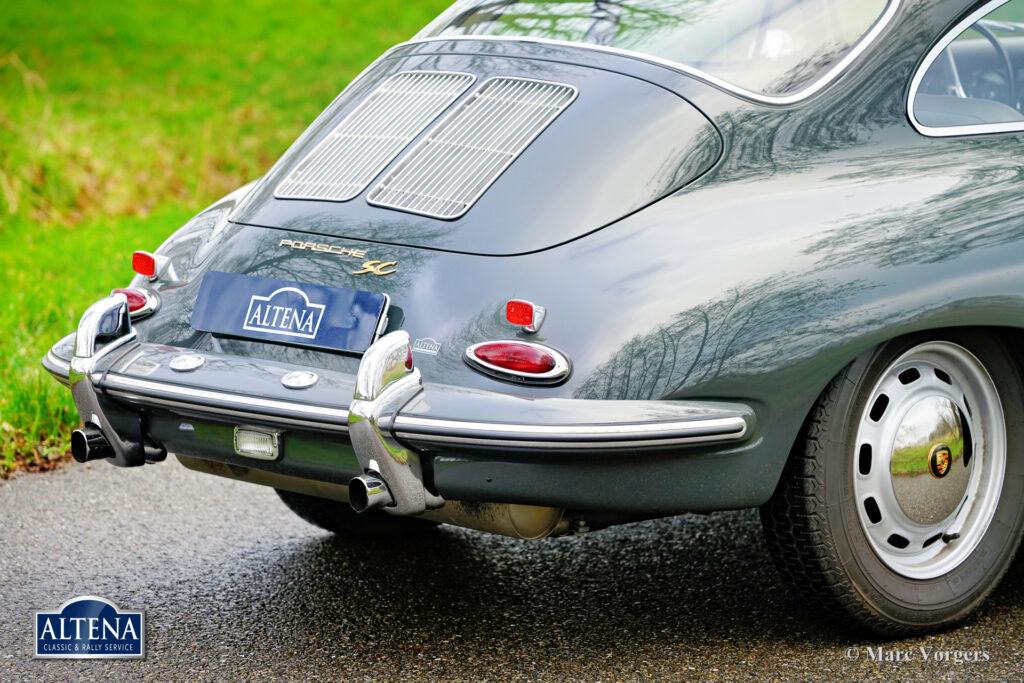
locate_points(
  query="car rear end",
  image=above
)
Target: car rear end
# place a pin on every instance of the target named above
(319, 331)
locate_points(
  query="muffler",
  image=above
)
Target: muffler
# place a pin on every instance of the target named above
(368, 492)
(518, 521)
(88, 444)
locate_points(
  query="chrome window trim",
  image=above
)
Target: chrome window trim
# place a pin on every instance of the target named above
(933, 54)
(830, 75)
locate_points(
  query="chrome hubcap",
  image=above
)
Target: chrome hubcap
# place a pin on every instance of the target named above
(930, 460)
(928, 468)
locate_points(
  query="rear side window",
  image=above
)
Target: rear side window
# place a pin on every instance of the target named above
(971, 81)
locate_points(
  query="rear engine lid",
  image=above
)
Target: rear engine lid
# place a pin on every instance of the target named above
(483, 155)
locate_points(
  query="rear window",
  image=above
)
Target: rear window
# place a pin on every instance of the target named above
(766, 47)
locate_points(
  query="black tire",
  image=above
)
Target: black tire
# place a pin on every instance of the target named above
(818, 531)
(340, 519)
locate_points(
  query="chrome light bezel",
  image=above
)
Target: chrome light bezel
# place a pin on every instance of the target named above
(275, 442)
(557, 375)
(151, 306)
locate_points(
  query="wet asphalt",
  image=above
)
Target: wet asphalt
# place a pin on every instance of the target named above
(236, 588)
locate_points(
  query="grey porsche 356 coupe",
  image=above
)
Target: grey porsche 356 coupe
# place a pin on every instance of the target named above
(554, 265)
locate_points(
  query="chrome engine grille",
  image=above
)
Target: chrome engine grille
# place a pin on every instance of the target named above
(368, 139)
(450, 169)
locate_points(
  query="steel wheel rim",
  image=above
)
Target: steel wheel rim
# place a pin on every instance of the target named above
(946, 375)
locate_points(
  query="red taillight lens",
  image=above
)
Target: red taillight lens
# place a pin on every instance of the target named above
(519, 312)
(136, 299)
(516, 357)
(408, 358)
(144, 263)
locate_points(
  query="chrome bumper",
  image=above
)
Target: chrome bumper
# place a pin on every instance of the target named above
(391, 417)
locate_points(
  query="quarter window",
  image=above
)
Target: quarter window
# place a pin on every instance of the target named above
(971, 82)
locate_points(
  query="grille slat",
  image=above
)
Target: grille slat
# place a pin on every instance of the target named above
(369, 138)
(450, 169)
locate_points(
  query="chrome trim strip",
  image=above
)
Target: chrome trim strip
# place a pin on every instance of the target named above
(933, 54)
(382, 322)
(193, 398)
(58, 367)
(609, 436)
(560, 445)
(830, 74)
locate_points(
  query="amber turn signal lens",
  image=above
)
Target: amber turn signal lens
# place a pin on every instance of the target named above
(516, 357)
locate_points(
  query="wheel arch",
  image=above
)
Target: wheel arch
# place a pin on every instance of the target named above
(1011, 336)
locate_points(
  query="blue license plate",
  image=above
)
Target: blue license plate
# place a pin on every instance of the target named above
(289, 312)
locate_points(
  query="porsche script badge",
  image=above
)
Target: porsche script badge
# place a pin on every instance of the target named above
(368, 267)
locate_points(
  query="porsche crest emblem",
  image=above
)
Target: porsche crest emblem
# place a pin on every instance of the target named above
(939, 460)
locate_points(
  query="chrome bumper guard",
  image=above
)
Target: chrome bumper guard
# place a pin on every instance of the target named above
(385, 383)
(104, 329)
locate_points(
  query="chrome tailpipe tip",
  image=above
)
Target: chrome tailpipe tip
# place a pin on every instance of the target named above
(88, 444)
(368, 492)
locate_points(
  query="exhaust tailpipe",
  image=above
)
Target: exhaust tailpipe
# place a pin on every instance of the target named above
(368, 492)
(88, 444)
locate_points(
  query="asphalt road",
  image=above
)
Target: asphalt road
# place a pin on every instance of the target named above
(235, 587)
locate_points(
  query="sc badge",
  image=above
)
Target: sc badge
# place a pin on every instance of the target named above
(377, 268)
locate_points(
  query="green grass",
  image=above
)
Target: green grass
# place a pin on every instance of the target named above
(120, 120)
